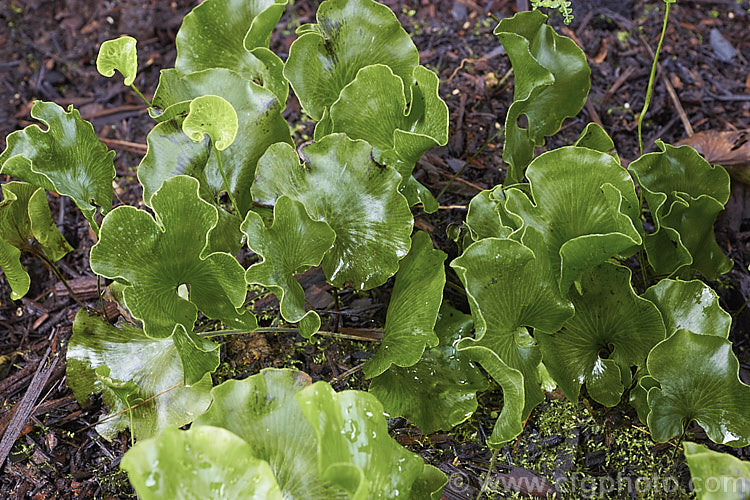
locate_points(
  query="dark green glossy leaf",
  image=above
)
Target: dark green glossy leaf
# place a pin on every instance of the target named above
(439, 392)
(355, 450)
(340, 184)
(171, 152)
(203, 462)
(350, 35)
(67, 158)
(399, 125)
(263, 410)
(119, 54)
(685, 194)
(552, 81)
(689, 305)
(717, 476)
(613, 329)
(413, 309)
(233, 34)
(25, 217)
(168, 378)
(511, 287)
(155, 257)
(585, 206)
(699, 380)
(293, 244)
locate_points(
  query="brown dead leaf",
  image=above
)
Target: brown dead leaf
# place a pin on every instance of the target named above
(729, 149)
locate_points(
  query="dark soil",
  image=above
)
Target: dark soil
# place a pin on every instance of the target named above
(47, 50)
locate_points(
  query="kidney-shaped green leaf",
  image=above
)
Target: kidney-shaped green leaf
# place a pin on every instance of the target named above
(685, 194)
(213, 116)
(613, 329)
(165, 381)
(340, 184)
(155, 257)
(439, 392)
(233, 34)
(510, 286)
(24, 217)
(699, 380)
(375, 108)
(171, 152)
(203, 462)
(584, 205)
(355, 450)
(413, 309)
(552, 80)
(67, 158)
(119, 54)
(350, 35)
(689, 305)
(717, 476)
(293, 244)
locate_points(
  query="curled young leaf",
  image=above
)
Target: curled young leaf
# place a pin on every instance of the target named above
(613, 330)
(156, 257)
(25, 217)
(202, 462)
(67, 158)
(165, 382)
(171, 152)
(487, 217)
(596, 138)
(511, 287)
(413, 309)
(552, 80)
(119, 54)
(374, 107)
(292, 244)
(233, 34)
(685, 194)
(339, 183)
(439, 392)
(585, 206)
(698, 377)
(350, 35)
(213, 116)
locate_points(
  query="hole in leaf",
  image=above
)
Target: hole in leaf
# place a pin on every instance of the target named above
(522, 121)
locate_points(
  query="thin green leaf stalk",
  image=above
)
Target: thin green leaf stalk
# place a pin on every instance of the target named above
(143, 98)
(486, 482)
(225, 180)
(652, 76)
(277, 329)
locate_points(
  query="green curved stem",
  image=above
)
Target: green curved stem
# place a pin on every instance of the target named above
(140, 95)
(226, 181)
(652, 77)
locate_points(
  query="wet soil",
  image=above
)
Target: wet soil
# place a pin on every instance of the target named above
(47, 50)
